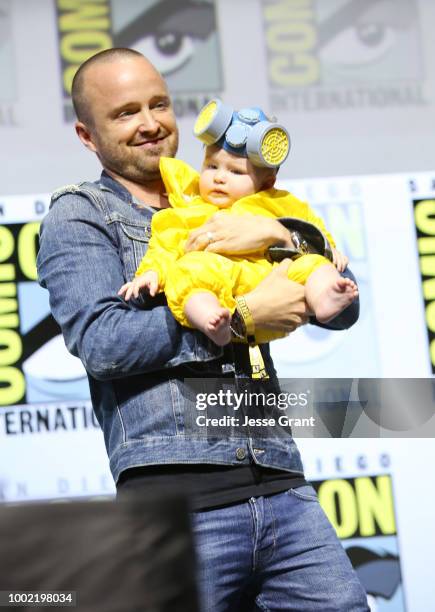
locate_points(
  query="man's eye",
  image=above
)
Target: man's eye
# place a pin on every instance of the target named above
(162, 105)
(126, 113)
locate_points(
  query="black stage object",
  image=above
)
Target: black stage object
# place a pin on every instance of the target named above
(306, 238)
(130, 555)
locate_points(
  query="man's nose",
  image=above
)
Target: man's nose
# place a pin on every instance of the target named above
(148, 123)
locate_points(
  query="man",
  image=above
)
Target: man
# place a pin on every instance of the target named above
(261, 536)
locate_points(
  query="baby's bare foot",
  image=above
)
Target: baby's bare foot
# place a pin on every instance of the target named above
(218, 327)
(204, 312)
(335, 298)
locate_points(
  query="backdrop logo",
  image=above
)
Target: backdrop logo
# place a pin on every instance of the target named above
(35, 365)
(424, 215)
(17, 257)
(342, 53)
(362, 511)
(177, 36)
(84, 29)
(7, 66)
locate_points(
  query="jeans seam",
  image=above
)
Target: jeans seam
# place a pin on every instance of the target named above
(253, 507)
(302, 496)
(267, 500)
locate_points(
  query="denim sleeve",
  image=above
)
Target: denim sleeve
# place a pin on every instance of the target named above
(79, 264)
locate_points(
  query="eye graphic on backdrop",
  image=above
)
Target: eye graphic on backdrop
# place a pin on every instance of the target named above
(167, 52)
(3, 27)
(362, 33)
(168, 32)
(378, 571)
(54, 374)
(361, 44)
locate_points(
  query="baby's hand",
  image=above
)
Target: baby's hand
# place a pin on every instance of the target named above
(339, 260)
(149, 281)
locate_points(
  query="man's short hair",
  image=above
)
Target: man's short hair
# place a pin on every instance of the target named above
(78, 90)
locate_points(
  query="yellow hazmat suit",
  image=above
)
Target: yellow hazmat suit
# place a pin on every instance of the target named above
(182, 274)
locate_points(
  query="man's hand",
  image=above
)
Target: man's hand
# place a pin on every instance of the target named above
(234, 234)
(277, 302)
(148, 281)
(339, 260)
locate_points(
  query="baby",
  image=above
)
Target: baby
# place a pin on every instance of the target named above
(201, 287)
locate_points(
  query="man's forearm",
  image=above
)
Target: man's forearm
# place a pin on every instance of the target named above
(80, 265)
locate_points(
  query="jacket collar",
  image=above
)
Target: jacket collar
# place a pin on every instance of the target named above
(107, 182)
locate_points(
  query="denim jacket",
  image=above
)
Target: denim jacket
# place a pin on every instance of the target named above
(136, 355)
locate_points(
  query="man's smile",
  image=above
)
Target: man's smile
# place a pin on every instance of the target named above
(151, 142)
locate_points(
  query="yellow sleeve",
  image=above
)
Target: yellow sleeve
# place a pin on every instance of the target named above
(170, 227)
(280, 203)
(169, 232)
(181, 181)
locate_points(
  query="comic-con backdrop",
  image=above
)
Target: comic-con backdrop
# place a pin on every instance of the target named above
(353, 81)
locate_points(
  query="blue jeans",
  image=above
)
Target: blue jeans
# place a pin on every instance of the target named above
(274, 553)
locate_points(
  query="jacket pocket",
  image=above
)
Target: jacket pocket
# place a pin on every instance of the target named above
(134, 239)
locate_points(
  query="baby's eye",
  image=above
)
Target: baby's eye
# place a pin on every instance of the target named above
(211, 166)
(238, 172)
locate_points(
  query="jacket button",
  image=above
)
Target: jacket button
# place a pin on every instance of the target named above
(240, 454)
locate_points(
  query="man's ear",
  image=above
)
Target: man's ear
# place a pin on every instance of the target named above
(85, 136)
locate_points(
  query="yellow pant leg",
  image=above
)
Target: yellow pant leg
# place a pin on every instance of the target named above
(201, 271)
(251, 273)
(299, 271)
(301, 268)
